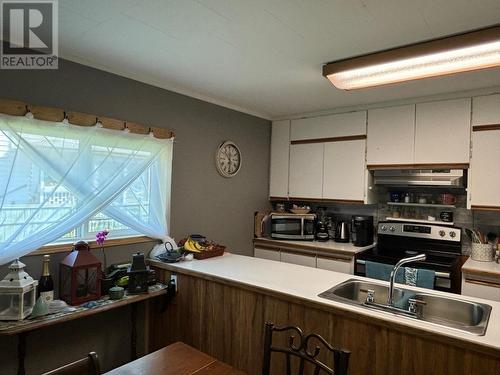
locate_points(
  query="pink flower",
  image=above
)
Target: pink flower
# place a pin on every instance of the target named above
(101, 236)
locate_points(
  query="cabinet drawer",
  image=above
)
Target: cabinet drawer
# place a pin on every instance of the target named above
(300, 259)
(266, 254)
(336, 264)
(481, 289)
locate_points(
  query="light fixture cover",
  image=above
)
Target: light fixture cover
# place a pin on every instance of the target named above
(460, 53)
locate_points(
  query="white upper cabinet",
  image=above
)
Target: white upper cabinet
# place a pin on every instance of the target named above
(485, 170)
(344, 170)
(442, 133)
(391, 135)
(280, 149)
(486, 110)
(306, 170)
(331, 126)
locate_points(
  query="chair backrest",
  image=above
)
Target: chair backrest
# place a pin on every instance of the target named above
(301, 350)
(86, 366)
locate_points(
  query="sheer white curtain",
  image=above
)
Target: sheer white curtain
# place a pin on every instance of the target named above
(54, 177)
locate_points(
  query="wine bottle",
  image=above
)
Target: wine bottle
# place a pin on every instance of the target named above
(46, 284)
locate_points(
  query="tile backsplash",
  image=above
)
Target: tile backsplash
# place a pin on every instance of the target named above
(485, 221)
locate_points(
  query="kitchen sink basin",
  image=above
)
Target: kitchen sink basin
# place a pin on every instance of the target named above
(355, 291)
(451, 312)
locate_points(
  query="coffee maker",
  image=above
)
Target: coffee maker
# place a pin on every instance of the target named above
(362, 230)
(321, 232)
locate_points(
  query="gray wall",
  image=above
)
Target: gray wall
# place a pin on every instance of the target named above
(202, 201)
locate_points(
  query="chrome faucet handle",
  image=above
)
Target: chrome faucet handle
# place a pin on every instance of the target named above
(415, 305)
(370, 294)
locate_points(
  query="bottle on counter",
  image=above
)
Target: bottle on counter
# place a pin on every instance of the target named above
(46, 284)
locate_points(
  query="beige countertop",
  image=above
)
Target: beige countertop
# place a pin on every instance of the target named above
(324, 246)
(475, 267)
(288, 279)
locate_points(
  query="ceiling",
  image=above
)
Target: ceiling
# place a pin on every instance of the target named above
(264, 57)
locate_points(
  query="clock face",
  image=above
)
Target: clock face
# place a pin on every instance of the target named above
(228, 159)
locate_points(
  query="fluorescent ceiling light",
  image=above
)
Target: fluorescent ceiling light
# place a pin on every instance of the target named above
(460, 53)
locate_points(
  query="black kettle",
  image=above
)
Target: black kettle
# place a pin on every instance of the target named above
(342, 231)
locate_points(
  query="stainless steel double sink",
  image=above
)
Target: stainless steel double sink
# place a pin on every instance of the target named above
(451, 312)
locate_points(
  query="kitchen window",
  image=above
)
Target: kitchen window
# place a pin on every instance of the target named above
(61, 183)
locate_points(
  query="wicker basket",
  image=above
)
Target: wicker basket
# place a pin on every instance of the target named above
(482, 252)
(210, 254)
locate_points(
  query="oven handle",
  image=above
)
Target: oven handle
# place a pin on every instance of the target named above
(443, 275)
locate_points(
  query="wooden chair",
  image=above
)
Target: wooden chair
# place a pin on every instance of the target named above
(86, 366)
(302, 351)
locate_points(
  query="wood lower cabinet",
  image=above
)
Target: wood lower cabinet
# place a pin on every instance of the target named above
(226, 320)
(337, 264)
(301, 259)
(266, 253)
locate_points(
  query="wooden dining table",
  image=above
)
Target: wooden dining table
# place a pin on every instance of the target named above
(176, 359)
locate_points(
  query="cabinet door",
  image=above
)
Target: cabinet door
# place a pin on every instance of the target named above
(442, 133)
(391, 135)
(306, 170)
(485, 170)
(344, 170)
(486, 110)
(280, 150)
(480, 289)
(338, 125)
(272, 254)
(308, 260)
(335, 264)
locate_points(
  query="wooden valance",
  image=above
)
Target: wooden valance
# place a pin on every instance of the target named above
(18, 108)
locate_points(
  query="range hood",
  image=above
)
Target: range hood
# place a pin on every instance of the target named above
(420, 177)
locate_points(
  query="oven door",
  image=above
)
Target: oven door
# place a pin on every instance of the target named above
(442, 280)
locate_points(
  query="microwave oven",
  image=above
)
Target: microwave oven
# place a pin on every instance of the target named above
(292, 226)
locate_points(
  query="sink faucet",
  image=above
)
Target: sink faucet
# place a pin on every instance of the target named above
(416, 258)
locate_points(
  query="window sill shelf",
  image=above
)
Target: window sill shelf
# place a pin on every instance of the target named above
(66, 247)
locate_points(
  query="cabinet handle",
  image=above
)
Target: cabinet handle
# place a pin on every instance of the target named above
(480, 282)
(310, 255)
(346, 260)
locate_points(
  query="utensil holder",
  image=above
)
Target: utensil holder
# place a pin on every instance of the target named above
(482, 252)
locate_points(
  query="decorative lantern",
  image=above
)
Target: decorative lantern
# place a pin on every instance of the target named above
(138, 274)
(17, 293)
(80, 276)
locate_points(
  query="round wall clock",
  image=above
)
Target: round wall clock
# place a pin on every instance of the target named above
(228, 159)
